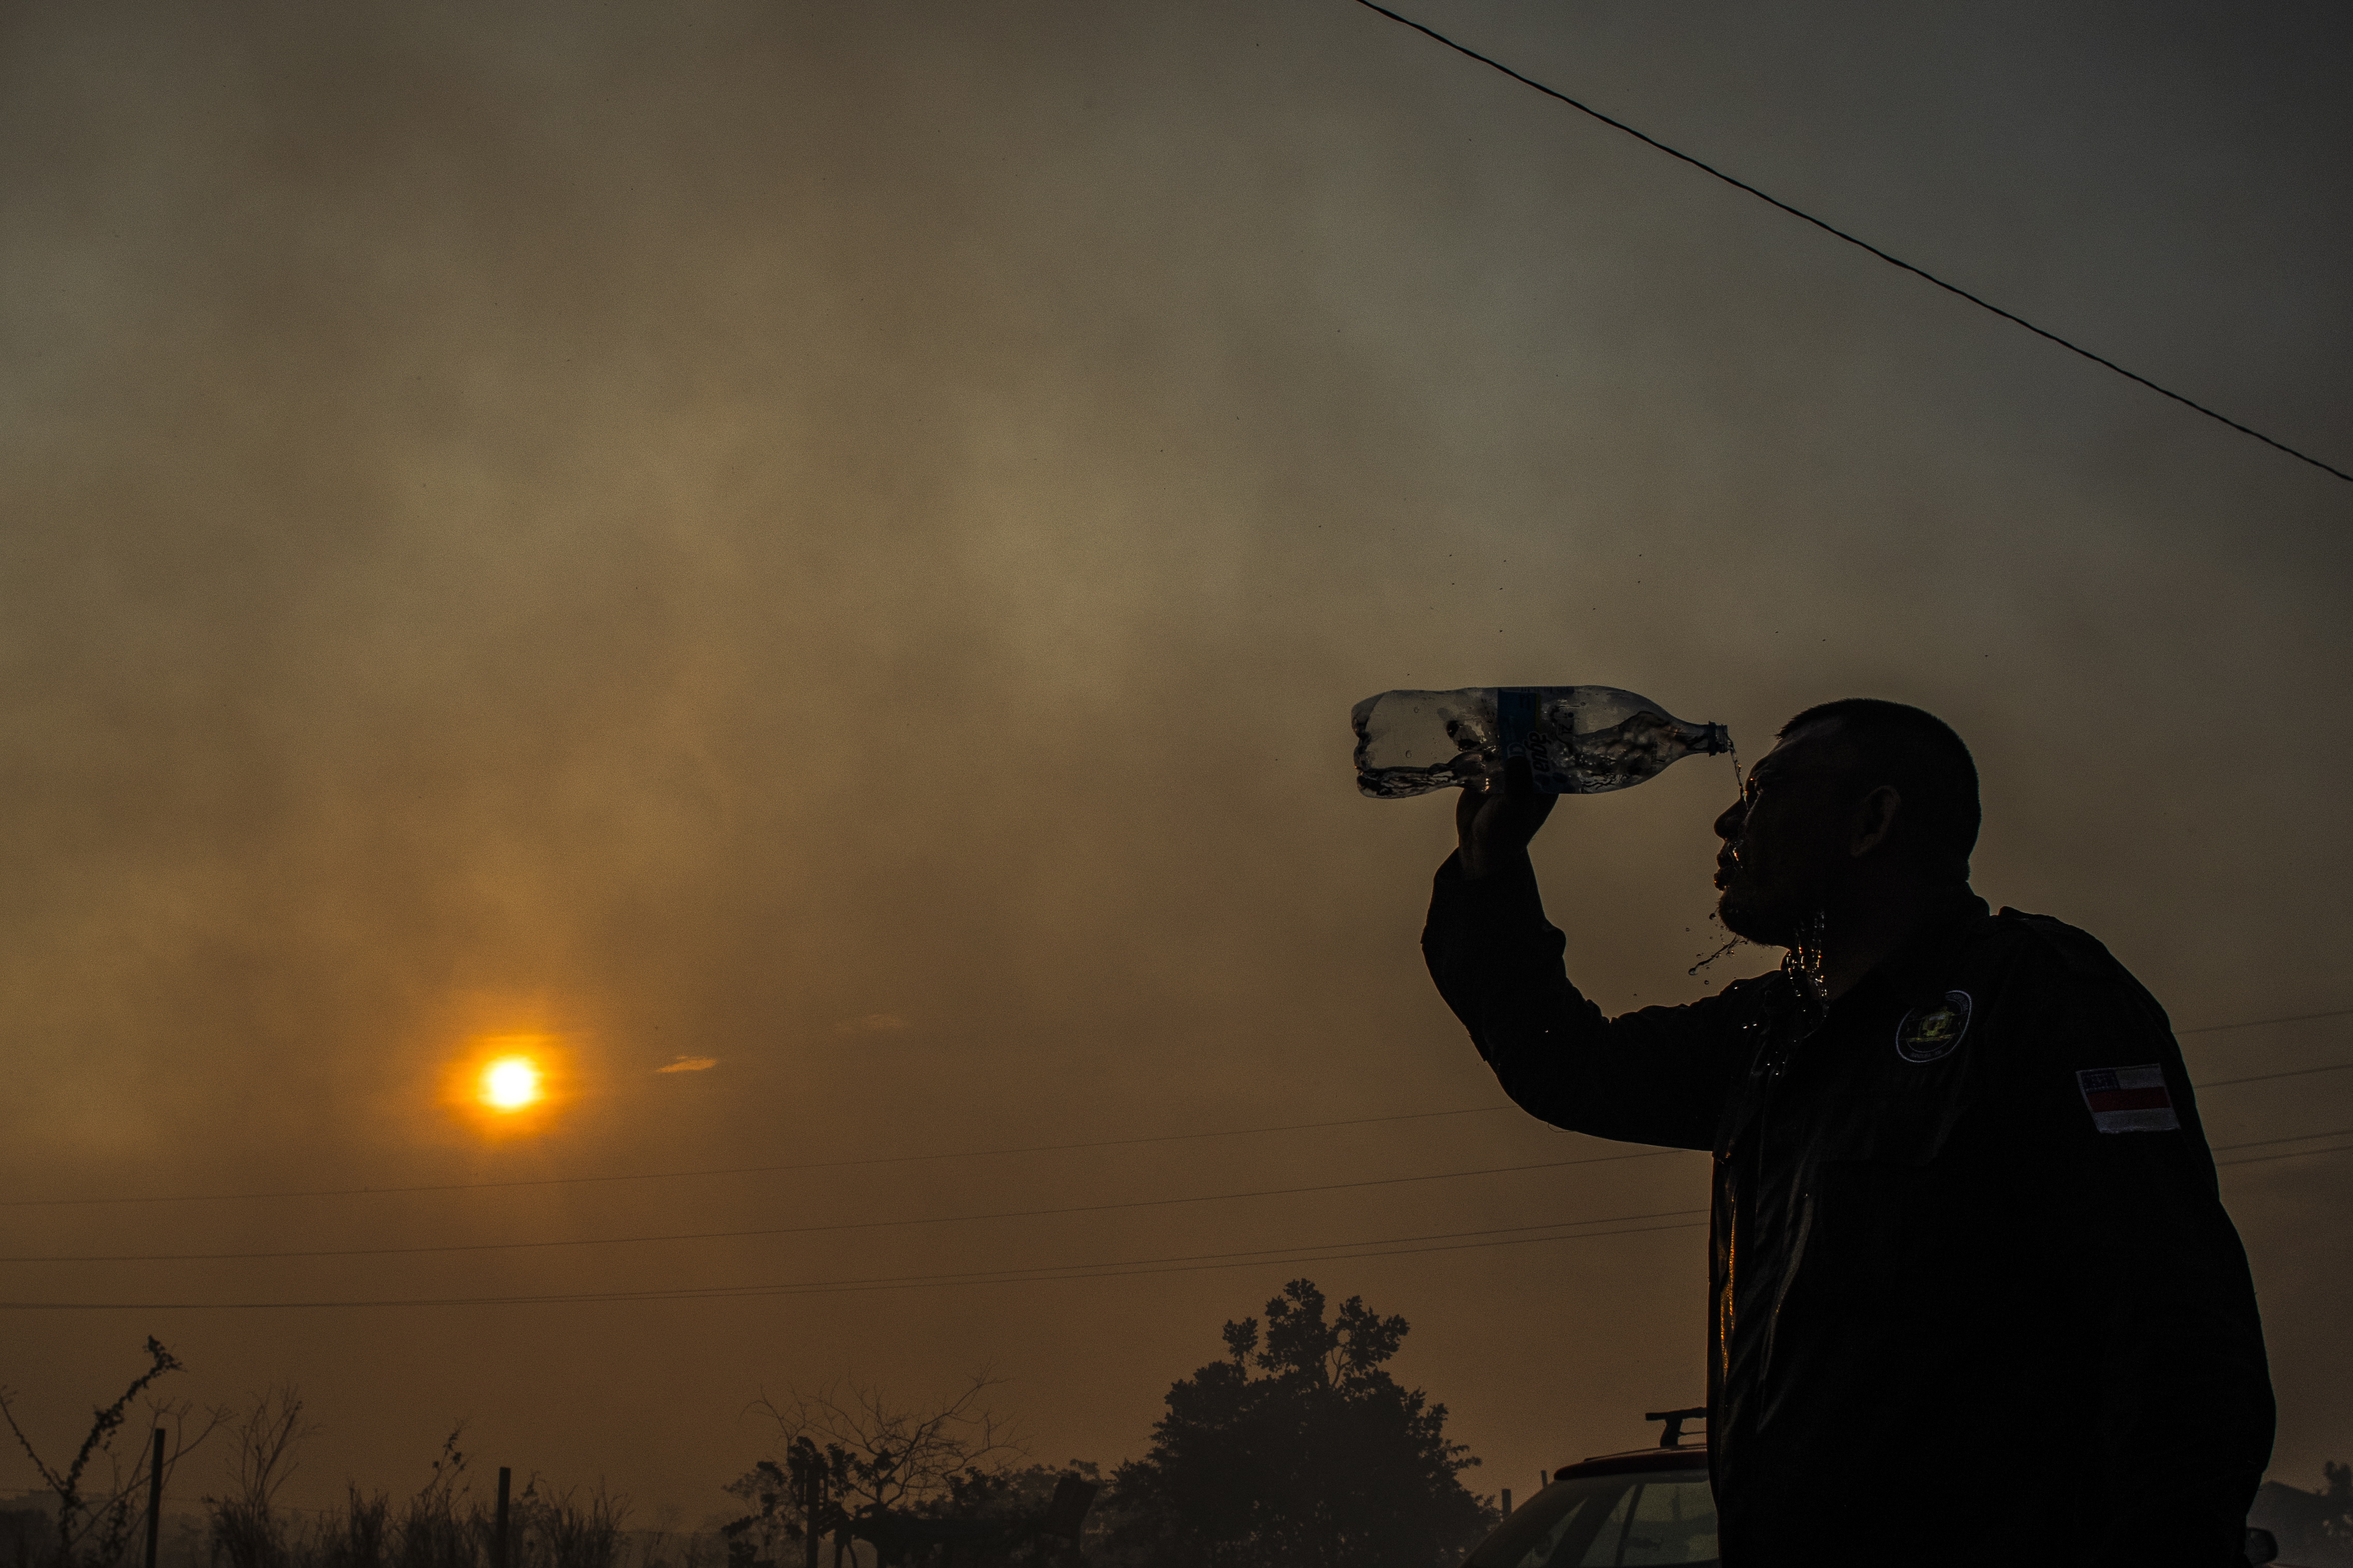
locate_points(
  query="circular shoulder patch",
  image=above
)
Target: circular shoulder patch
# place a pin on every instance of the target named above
(1932, 1032)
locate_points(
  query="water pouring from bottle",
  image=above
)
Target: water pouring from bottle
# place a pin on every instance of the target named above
(1577, 740)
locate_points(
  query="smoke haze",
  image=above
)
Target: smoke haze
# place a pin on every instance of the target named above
(837, 543)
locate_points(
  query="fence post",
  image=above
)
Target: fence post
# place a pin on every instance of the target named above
(499, 1532)
(155, 1498)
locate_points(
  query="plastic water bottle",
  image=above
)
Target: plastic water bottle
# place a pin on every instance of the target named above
(1579, 740)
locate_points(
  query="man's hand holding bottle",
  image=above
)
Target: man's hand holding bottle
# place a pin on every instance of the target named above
(1493, 826)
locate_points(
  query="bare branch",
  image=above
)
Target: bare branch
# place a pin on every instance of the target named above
(265, 1437)
(892, 1456)
(107, 1519)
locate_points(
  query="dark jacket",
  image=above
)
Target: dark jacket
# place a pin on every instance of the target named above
(1976, 1297)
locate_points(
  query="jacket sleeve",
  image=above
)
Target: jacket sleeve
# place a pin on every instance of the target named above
(2135, 1232)
(1657, 1076)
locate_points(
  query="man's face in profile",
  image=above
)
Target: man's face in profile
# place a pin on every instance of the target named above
(1782, 838)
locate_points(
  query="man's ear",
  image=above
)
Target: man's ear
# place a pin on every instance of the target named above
(1874, 821)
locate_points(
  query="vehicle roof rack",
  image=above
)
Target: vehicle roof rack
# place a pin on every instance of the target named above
(1672, 1437)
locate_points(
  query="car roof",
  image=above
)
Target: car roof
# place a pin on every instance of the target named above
(1693, 1458)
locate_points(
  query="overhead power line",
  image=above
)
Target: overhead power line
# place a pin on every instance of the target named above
(841, 1226)
(1861, 243)
(2296, 1154)
(1006, 1150)
(746, 1170)
(2260, 1023)
(1581, 1230)
(1184, 1263)
(2268, 1076)
(836, 1227)
(2290, 1138)
(1402, 1247)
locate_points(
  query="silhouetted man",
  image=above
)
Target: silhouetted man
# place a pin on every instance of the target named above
(1976, 1298)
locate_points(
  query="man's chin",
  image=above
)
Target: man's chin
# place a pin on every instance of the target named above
(1769, 924)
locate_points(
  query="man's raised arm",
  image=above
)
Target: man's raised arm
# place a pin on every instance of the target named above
(1658, 1075)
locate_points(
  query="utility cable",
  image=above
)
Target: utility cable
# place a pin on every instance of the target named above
(973, 1153)
(1298, 1254)
(2291, 1138)
(1574, 1230)
(1180, 1263)
(1577, 1230)
(1850, 239)
(2259, 1023)
(838, 1225)
(746, 1170)
(905, 1224)
(2297, 1154)
(2267, 1077)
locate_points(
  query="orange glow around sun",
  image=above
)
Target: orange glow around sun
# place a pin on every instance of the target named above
(508, 1085)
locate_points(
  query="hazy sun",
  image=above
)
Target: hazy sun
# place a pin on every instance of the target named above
(509, 1083)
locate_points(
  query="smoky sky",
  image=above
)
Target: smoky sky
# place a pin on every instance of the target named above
(840, 541)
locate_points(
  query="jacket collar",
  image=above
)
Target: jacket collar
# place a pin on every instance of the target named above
(1923, 965)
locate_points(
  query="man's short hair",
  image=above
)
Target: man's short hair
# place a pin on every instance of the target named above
(1919, 755)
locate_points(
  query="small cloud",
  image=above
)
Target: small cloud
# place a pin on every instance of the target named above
(690, 1064)
(872, 1024)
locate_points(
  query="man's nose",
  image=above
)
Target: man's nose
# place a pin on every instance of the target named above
(1728, 826)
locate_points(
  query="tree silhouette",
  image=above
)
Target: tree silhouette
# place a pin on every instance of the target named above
(1301, 1450)
(853, 1454)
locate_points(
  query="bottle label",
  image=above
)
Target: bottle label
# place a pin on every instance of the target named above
(1519, 732)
